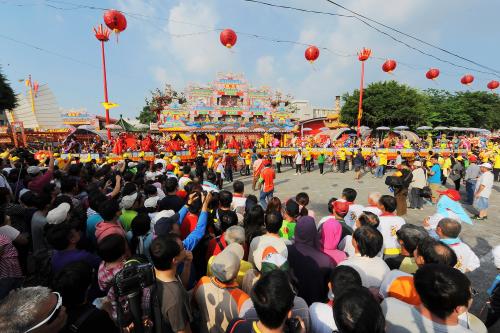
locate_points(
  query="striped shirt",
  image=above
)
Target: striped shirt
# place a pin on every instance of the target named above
(9, 263)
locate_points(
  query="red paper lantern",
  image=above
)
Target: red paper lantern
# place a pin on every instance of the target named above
(432, 73)
(389, 66)
(228, 38)
(312, 53)
(467, 79)
(493, 84)
(364, 54)
(115, 20)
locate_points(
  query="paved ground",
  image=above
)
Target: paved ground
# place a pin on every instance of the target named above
(481, 237)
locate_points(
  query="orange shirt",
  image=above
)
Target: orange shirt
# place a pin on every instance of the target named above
(267, 175)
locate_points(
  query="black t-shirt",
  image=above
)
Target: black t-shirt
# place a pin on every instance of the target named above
(97, 320)
(199, 161)
(394, 262)
(171, 201)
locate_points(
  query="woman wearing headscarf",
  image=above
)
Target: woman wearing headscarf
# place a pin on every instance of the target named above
(310, 266)
(330, 236)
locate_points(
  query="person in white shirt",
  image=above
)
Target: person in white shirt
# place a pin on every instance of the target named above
(389, 225)
(239, 199)
(448, 231)
(298, 163)
(445, 293)
(355, 210)
(373, 199)
(342, 279)
(482, 192)
(186, 177)
(367, 242)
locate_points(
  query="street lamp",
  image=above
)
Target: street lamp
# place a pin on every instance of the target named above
(363, 55)
(102, 35)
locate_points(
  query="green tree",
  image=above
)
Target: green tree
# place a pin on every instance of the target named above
(385, 103)
(157, 103)
(146, 116)
(8, 99)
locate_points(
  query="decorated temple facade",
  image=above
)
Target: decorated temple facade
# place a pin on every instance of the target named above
(228, 101)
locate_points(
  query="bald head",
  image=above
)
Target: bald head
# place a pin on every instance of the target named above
(448, 228)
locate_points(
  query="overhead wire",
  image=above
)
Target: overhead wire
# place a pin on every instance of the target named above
(145, 17)
(364, 19)
(412, 37)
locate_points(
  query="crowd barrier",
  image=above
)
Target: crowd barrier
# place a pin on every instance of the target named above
(186, 155)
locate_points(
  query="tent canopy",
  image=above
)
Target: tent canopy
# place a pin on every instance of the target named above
(126, 126)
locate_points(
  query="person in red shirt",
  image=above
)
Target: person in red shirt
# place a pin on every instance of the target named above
(267, 176)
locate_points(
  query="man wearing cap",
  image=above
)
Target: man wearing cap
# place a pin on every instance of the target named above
(38, 180)
(472, 173)
(218, 297)
(483, 191)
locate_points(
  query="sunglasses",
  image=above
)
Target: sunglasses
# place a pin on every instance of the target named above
(52, 316)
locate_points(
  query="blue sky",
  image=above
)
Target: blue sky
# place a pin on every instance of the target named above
(174, 45)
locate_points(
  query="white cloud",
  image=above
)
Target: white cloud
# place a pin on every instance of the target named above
(265, 67)
(160, 75)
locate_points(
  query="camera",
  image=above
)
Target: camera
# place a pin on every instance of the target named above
(134, 277)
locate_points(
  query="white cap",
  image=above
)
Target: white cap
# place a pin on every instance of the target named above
(163, 213)
(128, 201)
(151, 202)
(33, 170)
(58, 214)
(486, 165)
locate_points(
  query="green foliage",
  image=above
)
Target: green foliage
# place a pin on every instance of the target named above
(159, 100)
(146, 116)
(8, 99)
(391, 104)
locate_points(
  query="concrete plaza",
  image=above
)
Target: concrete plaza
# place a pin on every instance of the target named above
(481, 237)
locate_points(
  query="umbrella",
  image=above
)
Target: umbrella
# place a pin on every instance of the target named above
(274, 129)
(87, 127)
(242, 129)
(383, 128)
(227, 128)
(113, 127)
(424, 128)
(259, 129)
(441, 128)
(307, 129)
(208, 127)
(401, 128)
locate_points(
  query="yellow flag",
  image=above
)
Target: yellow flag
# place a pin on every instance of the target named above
(109, 105)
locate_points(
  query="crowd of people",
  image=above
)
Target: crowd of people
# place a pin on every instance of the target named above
(163, 246)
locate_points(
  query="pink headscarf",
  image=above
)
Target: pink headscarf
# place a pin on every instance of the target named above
(331, 234)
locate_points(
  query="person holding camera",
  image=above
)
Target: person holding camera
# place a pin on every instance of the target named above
(273, 297)
(171, 300)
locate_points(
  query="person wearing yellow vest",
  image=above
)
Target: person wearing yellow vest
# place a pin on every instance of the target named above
(308, 159)
(446, 168)
(210, 162)
(248, 162)
(278, 160)
(342, 159)
(496, 165)
(382, 163)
